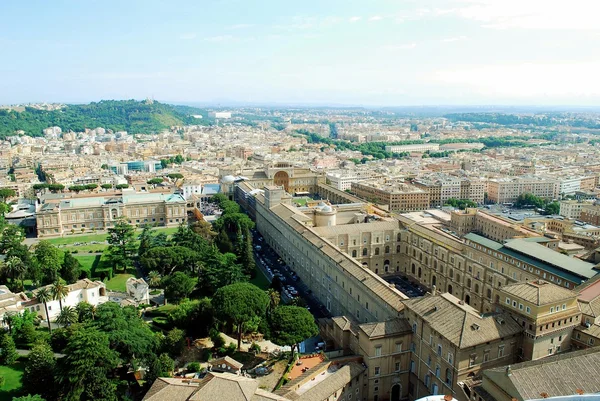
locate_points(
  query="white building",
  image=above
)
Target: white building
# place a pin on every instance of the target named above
(92, 292)
(343, 179)
(219, 114)
(191, 188)
(569, 186)
(418, 147)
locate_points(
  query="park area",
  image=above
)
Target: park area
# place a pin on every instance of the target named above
(12, 380)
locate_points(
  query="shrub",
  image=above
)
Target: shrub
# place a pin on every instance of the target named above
(254, 347)
(216, 338)
(193, 367)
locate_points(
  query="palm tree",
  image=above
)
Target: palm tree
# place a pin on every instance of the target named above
(15, 268)
(8, 320)
(67, 316)
(59, 291)
(43, 296)
(154, 279)
(85, 312)
(274, 299)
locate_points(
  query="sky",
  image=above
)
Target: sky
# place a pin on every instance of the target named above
(323, 52)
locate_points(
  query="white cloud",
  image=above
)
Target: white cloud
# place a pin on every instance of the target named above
(454, 39)
(187, 36)
(532, 14)
(526, 80)
(375, 18)
(405, 46)
(354, 19)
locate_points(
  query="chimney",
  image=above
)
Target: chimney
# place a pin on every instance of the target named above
(448, 397)
(433, 290)
(508, 371)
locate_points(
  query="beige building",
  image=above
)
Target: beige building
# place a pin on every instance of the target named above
(340, 251)
(396, 196)
(60, 216)
(571, 209)
(507, 190)
(453, 341)
(548, 313)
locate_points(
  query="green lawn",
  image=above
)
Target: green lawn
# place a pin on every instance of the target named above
(87, 261)
(260, 280)
(70, 239)
(117, 283)
(12, 376)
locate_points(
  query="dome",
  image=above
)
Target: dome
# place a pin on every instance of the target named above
(228, 179)
(327, 209)
(321, 204)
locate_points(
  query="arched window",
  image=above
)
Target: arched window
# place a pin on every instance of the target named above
(450, 289)
(451, 273)
(364, 251)
(458, 277)
(433, 280)
(387, 249)
(419, 272)
(354, 253)
(448, 377)
(468, 283)
(468, 299)
(397, 248)
(477, 288)
(398, 237)
(434, 264)
(377, 251)
(413, 268)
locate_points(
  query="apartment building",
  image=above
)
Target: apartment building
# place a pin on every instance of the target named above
(343, 180)
(396, 196)
(59, 216)
(590, 214)
(442, 187)
(571, 209)
(507, 190)
(490, 226)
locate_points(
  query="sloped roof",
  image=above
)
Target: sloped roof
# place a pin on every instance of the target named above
(388, 328)
(228, 360)
(333, 383)
(224, 386)
(539, 292)
(170, 389)
(461, 324)
(559, 375)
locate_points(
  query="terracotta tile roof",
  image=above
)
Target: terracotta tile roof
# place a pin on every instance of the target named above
(391, 327)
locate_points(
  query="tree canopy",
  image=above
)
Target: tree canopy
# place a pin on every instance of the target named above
(291, 325)
(238, 303)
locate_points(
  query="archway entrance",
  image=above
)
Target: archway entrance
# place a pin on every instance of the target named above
(396, 393)
(282, 178)
(468, 299)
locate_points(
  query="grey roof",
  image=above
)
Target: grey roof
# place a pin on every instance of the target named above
(228, 360)
(488, 243)
(461, 324)
(552, 262)
(333, 383)
(549, 256)
(539, 292)
(385, 329)
(559, 375)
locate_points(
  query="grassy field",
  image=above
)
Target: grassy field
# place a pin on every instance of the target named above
(12, 376)
(117, 283)
(260, 280)
(66, 243)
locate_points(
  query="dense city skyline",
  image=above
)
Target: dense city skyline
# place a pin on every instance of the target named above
(334, 53)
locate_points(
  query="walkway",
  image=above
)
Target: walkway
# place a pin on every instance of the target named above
(25, 352)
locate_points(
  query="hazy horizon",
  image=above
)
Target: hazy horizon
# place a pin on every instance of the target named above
(340, 53)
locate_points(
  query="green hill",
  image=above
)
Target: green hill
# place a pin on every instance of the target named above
(132, 116)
